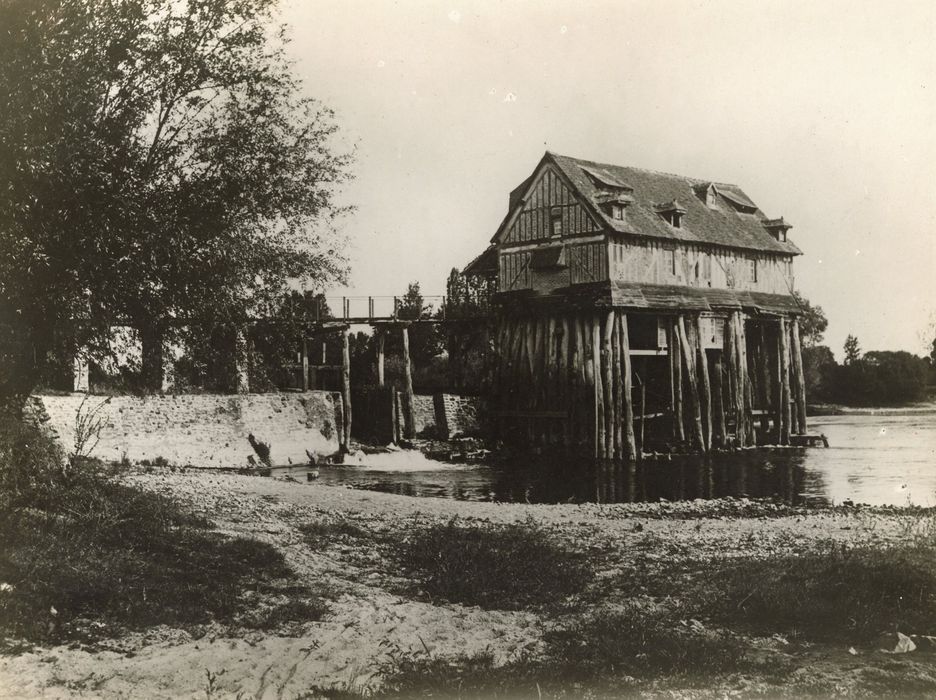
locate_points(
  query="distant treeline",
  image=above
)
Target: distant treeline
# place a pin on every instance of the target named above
(879, 378)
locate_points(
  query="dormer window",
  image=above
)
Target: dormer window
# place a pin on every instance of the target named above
(614, 204)
(777, 228)
(671, 212)
(555, 222)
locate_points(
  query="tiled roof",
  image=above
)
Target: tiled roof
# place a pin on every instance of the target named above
(735, 222)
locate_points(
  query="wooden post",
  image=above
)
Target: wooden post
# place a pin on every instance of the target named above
(800, 379)
(599, 391)
(785, 417)
(607, 379)
(706, 388)
(409, 410)
(679, 432)
(346, 385)
(630, 443)
(565, 393)
(80, 373)
(305, 364)
(718, 406)
(241, 357)
(616, 359)
(764, 372)
(688, 353)
(381, 339)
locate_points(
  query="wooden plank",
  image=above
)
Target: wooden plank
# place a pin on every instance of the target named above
(305, 364)
(528, 413)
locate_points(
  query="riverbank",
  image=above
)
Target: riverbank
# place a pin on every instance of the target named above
(650, 558)
(923, 408)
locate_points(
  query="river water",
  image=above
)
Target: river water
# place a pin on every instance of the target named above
(879, 460)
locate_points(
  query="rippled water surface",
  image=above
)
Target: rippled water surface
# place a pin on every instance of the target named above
(881, 460)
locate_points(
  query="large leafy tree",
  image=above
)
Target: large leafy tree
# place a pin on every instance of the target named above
(158, 164)
(813, 322)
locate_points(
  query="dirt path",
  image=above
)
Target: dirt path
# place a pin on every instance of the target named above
(366, 623)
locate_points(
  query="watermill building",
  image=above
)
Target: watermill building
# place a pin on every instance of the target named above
(638, 311)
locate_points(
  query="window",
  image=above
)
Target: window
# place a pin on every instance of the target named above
(753, 263)
(696, 270)
(555, 220)
(617, 212)
(673, 261)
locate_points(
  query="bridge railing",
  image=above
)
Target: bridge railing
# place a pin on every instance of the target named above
(373, 308)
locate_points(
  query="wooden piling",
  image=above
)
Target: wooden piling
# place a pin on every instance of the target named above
(617, 379)
(799, 378)
(706, 388)
(679, 432)
(409, 409)
(718, 404)
(688, 354)
(599, 390)
(305, 364)
(380, 358)
(346, 386)
(785, 417)
(630, 443)
(607, 379)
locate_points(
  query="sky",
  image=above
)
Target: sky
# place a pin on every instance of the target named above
(823, 112)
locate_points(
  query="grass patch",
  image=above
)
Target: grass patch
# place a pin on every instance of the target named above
(321, 533)
(506, 567)
(611, 654)
(832, 594)
(85, 556)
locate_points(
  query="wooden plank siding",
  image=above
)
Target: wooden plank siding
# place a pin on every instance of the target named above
(652, 262)
(548, 193)
(584, 263)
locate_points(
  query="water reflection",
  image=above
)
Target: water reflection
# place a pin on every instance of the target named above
(872, 459)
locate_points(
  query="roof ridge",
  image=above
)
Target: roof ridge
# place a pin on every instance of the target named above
(697, 180)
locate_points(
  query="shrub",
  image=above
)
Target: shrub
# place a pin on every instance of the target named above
(83, 553)
(639, 642)
(494, 566)
(837, 594)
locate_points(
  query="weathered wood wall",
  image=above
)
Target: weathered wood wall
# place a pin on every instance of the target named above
(652, 262)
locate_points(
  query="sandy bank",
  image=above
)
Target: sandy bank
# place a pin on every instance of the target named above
(366, 622)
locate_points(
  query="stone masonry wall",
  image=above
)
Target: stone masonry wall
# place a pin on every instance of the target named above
(443, 416)
(203, 430)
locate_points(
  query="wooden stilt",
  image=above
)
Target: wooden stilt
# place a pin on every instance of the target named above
(706, 389)
(785, 417)
(565, 393)
(718, 405)
(799, 378)
(380, 358)
(346, 387)
(616, 378)
(676, 356)
(630, 443)
(409, 409)
(688, 353)
(599, 389)
(607, 379)
(305, 364)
